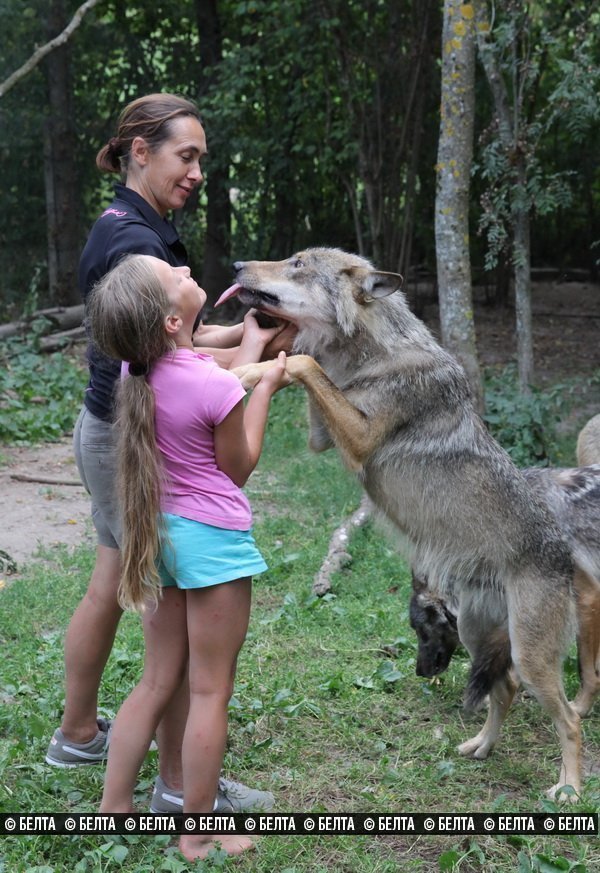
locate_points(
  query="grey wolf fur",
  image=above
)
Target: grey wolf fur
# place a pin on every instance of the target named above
(399, 410)
(588, 443)
(573, 496)
(577, 511)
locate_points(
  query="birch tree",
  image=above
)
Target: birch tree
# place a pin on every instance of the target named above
(512, 138)
(455, 153)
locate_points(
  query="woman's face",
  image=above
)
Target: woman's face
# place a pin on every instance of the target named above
(167, 176)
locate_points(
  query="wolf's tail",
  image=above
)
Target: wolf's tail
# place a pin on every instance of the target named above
(491, 662)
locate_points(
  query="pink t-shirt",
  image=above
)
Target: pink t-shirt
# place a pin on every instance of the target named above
(193, 394)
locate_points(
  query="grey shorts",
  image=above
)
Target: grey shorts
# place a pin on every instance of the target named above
(94, 444)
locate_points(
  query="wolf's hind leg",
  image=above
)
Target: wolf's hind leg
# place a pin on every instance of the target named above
(501, 697)
(587, 590)
(484, 634)
(539, 631)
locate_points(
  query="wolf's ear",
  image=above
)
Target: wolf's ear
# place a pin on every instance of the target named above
(373, 284)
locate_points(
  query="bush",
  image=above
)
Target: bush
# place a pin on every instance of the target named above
(40, 394)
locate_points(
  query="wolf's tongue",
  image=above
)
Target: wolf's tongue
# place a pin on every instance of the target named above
(231, 292)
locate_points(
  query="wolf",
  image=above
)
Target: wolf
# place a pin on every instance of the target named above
(573, 496)
(399, 409)
(434, 620)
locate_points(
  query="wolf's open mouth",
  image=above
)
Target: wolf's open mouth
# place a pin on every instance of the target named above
(250, 296)
(257, 298)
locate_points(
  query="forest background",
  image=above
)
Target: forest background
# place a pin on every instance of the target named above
(323, 125)
(454, 142)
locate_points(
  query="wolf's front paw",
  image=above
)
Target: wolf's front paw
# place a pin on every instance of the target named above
(249, 374)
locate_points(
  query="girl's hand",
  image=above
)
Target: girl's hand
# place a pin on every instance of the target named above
(276, 376)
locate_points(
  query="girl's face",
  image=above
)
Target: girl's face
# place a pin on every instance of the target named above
(185, 295)
(167, 176)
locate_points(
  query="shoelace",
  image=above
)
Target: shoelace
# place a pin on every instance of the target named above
(232, 788)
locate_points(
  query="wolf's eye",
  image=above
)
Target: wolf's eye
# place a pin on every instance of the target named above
(298, 263)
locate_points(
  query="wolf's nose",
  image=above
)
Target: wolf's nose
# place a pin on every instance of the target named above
(238, 266)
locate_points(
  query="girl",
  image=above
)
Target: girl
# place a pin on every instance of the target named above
(186, 447)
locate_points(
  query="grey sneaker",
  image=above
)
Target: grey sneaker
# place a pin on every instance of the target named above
(235, 797)
(165, 800)
(62, 753)
(231, 797)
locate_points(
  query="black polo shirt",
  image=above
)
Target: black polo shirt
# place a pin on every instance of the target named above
(128, 226)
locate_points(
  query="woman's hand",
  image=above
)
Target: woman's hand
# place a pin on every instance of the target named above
(254, 340)
(282, 341)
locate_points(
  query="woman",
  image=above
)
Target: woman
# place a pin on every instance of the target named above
(158, 150)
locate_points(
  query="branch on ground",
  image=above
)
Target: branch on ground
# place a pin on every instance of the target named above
(337, 554)
(45, 480)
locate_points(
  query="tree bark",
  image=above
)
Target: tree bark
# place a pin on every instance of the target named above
(216, 265)
(62, 319)
(455, 152)
(508, 132)
(62, 192)
(522, 268)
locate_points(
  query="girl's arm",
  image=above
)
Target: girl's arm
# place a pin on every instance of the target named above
(218, 336)
(239, 437)
(251, 341)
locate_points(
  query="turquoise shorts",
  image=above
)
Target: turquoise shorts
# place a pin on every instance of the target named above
(197, 555)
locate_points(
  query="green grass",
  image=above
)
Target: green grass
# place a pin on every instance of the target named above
(327, 712)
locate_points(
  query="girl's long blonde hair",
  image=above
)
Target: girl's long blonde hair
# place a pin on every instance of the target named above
(126, 313)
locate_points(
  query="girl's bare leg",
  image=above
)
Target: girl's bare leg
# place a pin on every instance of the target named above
(165, 637)
(217, 625)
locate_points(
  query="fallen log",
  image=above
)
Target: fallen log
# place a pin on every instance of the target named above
(57, 318)
(57, 341)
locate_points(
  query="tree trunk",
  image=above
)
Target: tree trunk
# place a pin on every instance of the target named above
(522, 261)
(455, 153)
(508, 132)
(216, 267)
(62, 191)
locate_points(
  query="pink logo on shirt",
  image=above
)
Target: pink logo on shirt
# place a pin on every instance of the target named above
(112, 212)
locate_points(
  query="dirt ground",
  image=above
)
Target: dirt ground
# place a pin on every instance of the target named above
(35, 515)
(40, 514)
